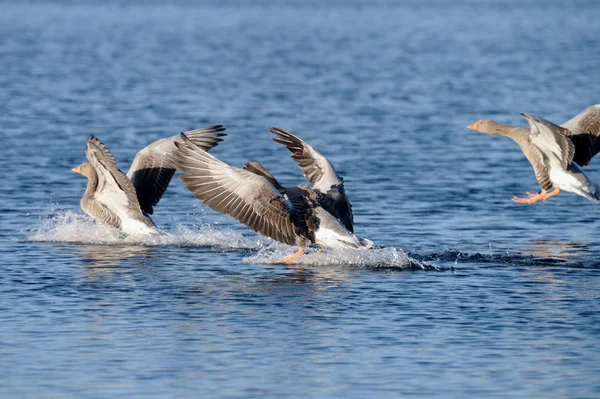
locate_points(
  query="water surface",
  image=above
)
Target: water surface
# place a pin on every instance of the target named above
(509, 307)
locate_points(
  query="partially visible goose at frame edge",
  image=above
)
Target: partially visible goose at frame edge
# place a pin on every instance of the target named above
(555, 152)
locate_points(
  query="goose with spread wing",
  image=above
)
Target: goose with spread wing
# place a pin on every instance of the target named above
(556, 153)
(125, 201)
(252, 195)
(328, 185)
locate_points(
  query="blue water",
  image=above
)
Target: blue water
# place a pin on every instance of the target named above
(471, 296)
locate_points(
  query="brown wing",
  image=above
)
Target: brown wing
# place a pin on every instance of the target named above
(585, 129)
(246, 196)
(152, 169)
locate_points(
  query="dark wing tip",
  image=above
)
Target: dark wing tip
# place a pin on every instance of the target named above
(185, 138)
(533, 117)
(211, 129)
(96, 142)
(289, 140)
(93, 139)
(280, 132)
(186, 143)
(216, 128)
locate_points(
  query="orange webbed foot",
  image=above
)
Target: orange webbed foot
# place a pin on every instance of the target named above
(290, 258)
(523, 200)
(534, 197)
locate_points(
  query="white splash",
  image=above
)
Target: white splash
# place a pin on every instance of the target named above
(374, 257)
(71, 227)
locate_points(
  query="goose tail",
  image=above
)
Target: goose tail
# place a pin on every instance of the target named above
(593, 194)
(365, 243)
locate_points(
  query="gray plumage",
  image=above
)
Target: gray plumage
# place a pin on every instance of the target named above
(552, 140)
(119, 200)
(252, 195)
(152, 168)
(322, 175)
(110, 196)
(550, 147)
(585, 134)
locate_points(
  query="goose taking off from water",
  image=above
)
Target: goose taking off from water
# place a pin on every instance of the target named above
(124, 201)
(250, 194)
(555, 152)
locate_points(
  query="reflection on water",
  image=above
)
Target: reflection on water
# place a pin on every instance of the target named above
(100, 257)
(565, 251)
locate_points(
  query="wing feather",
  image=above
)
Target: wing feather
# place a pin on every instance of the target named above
(552, 140)
(315, 166)
(322, 175)
(536, 159)
(153, 168)
(114, 188)
(246, 196)
(585, 129)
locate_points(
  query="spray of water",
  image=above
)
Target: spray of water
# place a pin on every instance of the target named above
(375, 257)
(71, 227)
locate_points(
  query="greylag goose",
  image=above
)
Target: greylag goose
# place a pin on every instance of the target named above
(125, 201)
(328, 185)
(555, 152)
(251, 195)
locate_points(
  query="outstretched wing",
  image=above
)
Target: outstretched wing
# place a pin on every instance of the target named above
(242, 194)
(153, 167)
(552, 140)
(585, 129)
(321, 174)
(114, 190)
(315, 166)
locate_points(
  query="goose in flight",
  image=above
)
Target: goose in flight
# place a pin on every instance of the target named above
(124, 201)
(556, 153)
(298, 215)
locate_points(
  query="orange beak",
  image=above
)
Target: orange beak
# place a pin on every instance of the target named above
(472, 126)
(77, 169)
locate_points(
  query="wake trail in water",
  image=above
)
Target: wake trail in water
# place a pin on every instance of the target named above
(560, 258)
(75, 228)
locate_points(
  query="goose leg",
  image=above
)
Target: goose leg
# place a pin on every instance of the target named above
(535, 197)
(554, 192)
(291, 258)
